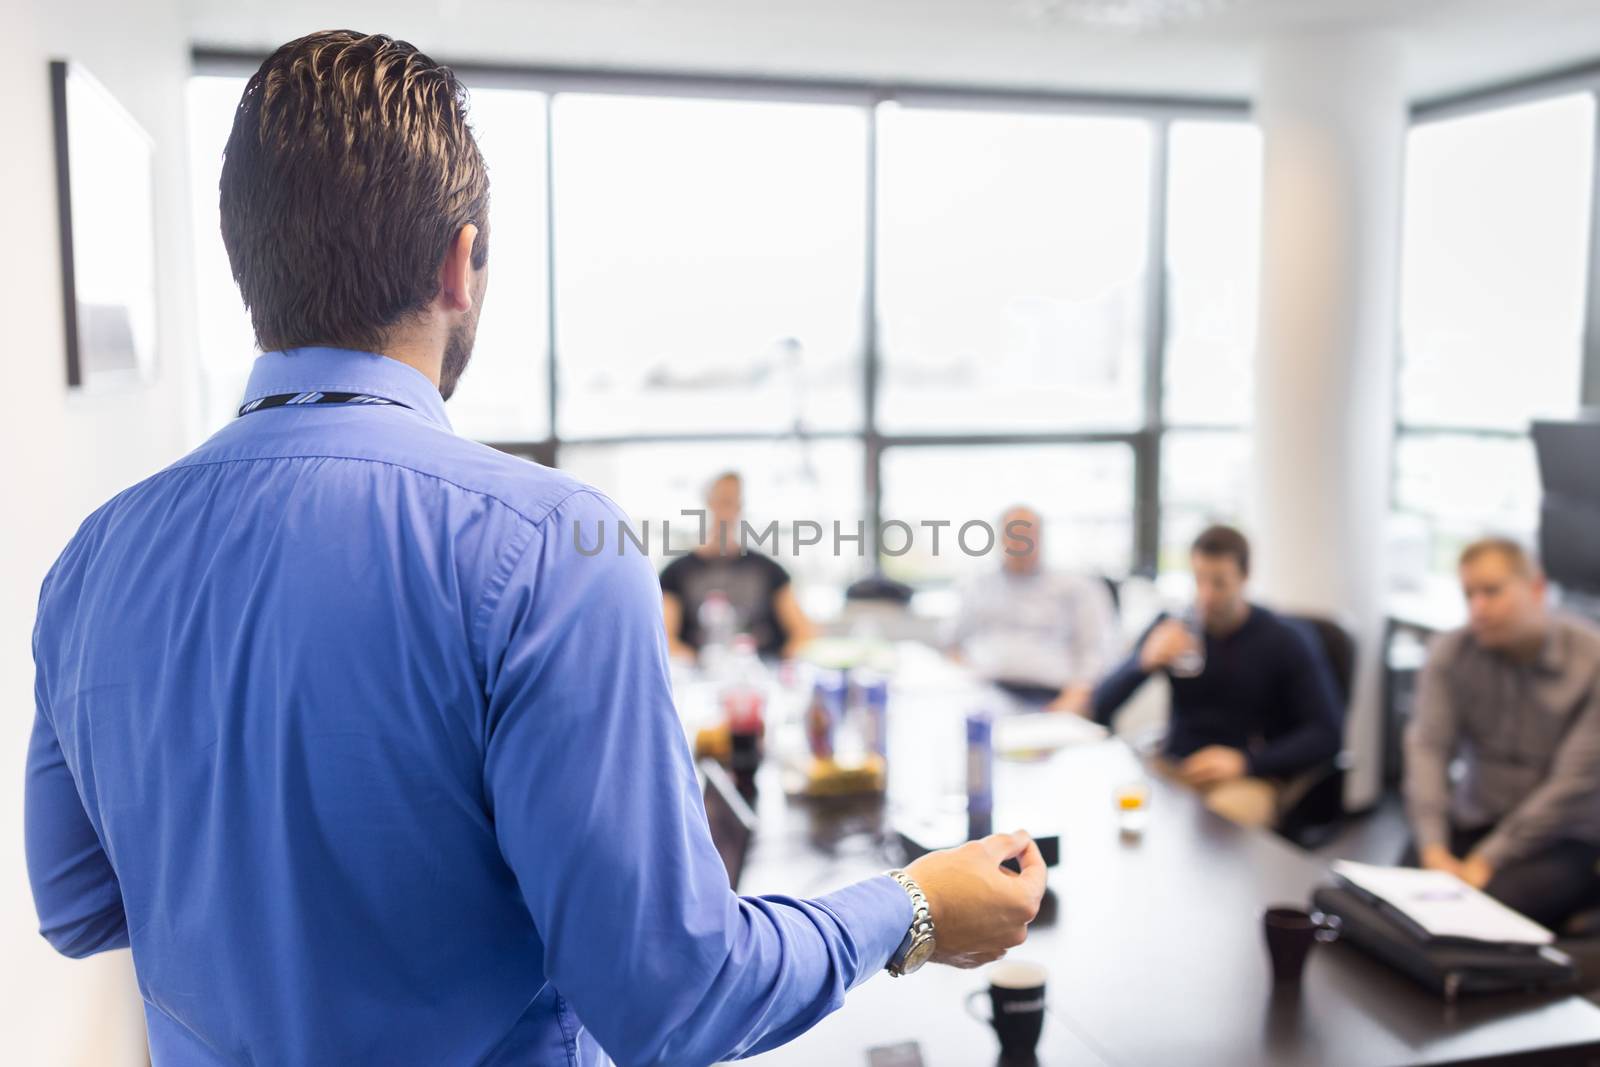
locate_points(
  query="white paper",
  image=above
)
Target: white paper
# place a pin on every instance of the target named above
(1443, 904)
(1044, 730)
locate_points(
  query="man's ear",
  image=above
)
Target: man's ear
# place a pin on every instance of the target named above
(455, 273)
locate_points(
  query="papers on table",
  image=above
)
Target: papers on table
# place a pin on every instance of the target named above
(1044, 731)
(1442, 905)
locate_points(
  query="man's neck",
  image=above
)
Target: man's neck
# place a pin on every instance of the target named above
(425, 354)
(1234, 622)
(1527, 648)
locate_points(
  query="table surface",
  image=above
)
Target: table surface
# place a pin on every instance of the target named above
(1153, 944)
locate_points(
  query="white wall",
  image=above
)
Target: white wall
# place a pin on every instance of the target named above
(65, 454)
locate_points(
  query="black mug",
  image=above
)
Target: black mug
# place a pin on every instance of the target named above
(1016, 1001)
(1290, 934)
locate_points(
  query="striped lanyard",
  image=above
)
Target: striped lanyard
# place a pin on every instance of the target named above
(283, 400)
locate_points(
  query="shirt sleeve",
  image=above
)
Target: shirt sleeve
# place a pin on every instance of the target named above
(1312, 707)
(1430, 745)
(777, 574)
(961, 626)
(672, 578)
(1094, 646)
(75, 890)
(598, 813)
(1123, 681)
(1573, 780)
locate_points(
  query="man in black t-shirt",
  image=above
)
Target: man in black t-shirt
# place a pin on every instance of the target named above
(756, 589)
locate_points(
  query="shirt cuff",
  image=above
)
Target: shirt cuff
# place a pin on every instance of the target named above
(878, 913)
(1497, 850)
(1431, 831)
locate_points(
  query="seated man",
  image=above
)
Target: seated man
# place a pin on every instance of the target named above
(1044, 635)
(1514, 696)
(1261, 710)
(755, 586)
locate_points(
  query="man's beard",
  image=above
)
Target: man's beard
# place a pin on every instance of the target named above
(458, 352)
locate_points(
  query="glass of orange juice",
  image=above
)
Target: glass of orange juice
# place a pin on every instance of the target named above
(1132, 801)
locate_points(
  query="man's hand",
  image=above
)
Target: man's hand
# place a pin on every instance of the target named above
(1165, 643)
(1476, 871)
(1440, 858)
(1211, 765)
(980, 909)
(1074, 698)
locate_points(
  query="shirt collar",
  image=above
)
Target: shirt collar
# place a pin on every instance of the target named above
(345, 370)
(1552, 657)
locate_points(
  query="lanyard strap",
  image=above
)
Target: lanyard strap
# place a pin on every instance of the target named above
(281, 400)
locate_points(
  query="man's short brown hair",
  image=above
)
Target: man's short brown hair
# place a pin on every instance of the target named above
(1219, 541)
(349, 170)
(1521, 561)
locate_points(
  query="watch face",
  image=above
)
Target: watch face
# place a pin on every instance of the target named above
(919, 954)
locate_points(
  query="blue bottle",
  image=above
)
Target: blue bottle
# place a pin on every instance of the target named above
(875, 703)
(980, 774)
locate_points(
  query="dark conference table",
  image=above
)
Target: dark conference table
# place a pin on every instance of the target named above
(1153, 945)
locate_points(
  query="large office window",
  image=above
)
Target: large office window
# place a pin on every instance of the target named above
(1083, 494)
(1205, 479)
(875, 311)
(506, 397)
(1212, 280)
(1213, 268)
(711, 256)
(1011, 270)
(1492, 311)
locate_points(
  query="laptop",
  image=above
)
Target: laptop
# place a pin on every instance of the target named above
(733, 823)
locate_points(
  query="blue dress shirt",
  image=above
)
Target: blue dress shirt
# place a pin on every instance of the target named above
(368, 765)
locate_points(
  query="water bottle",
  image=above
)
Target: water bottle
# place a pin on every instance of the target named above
(744, 701)
(718, 624)
(874, 691)
(851, 737)
(819, 723)
(980, 774)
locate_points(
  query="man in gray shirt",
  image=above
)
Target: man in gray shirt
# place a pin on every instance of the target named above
(1044, 635)
(1514, 696)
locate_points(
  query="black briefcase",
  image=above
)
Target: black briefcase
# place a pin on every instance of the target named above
(1448, 967)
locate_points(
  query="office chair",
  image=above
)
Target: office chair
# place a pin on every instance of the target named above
(1318, 813)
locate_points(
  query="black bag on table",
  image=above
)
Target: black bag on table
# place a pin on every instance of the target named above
(1448, 967)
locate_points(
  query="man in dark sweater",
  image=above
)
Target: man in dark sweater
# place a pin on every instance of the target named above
(1262, 707)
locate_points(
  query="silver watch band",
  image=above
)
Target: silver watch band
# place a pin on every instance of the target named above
(921, 929)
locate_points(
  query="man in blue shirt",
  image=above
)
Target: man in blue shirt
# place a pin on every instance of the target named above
(341, 735)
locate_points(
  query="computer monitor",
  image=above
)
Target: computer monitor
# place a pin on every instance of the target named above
(733, 823)
(1569, 512)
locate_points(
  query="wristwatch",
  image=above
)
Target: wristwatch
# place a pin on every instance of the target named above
(917, 946)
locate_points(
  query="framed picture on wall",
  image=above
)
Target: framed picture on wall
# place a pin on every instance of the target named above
(105, 190)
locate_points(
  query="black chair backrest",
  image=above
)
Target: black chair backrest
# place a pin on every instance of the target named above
(1113, 587)
(1339, 648)
(733, 824)
(879, 587)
